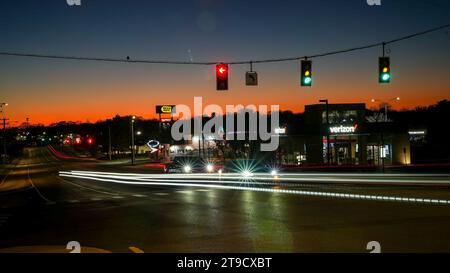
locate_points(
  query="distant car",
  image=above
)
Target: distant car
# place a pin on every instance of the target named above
(190, 164)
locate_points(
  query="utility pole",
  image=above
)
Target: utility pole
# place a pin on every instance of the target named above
(328, 130)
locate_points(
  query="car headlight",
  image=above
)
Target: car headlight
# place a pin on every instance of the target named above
(273, 172)
(187, 169)
(210, 168)
(247, 174)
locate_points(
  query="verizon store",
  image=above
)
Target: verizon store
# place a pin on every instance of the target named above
(343, 135)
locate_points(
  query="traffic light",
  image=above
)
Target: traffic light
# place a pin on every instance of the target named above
(222, 76)
(306, 78)
(384, 70)
(90, 141)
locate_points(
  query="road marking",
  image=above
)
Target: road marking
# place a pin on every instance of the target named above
(161, 193)
(37, 190)
(4, 179)
(117, 197)
(96, 199)
(139, 195)
(135, 249)
(184, 191)
(204, 190)
(73, 201)
(86, 188)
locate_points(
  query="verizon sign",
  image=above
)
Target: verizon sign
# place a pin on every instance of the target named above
(343, 129)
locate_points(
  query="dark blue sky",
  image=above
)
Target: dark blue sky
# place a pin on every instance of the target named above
(209, 28)
(212, 30)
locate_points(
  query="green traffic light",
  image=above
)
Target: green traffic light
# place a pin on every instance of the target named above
(307, 80)
(306, 73)
(384, 75)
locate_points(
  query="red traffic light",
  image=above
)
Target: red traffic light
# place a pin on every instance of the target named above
(222, 76)
(90, 140)
(222, 70)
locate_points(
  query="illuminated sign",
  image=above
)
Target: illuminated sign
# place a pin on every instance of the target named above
(153, 144)
(165, 109)
(280, 131)
(343, 129)
(418, 133)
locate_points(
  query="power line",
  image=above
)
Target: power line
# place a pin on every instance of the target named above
(130, 60)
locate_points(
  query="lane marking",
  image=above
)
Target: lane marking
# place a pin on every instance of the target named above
(139, 195)
(161, 193)
(135, 249)
(73, 201)
(184, 191)
(86, 188)
(96, 199)
(37, 190)
(117, 197)
(4, 179)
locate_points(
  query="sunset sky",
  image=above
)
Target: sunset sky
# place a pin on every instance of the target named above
(214, 30)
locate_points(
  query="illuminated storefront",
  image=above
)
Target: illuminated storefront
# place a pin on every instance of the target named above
(345, 137)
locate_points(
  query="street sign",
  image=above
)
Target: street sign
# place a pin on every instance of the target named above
(251, 78)
(165, 109)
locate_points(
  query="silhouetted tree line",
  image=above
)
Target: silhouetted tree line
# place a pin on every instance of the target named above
(433, 119)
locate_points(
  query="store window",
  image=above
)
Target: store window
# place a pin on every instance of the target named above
(339, 117)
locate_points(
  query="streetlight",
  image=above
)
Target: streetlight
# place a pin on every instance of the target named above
(386, 104)
(328, 130)
(133, 119)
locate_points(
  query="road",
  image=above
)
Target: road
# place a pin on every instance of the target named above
(46, 202)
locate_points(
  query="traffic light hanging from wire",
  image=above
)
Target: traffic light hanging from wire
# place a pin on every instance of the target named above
(222, 76)
(384, 70)
(306, 77)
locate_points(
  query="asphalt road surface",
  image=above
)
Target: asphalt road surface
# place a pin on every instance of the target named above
(46, 202)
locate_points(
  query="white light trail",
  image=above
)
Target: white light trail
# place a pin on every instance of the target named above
(284, 174)
(164, 179)
(323, 178)
(183, 183)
